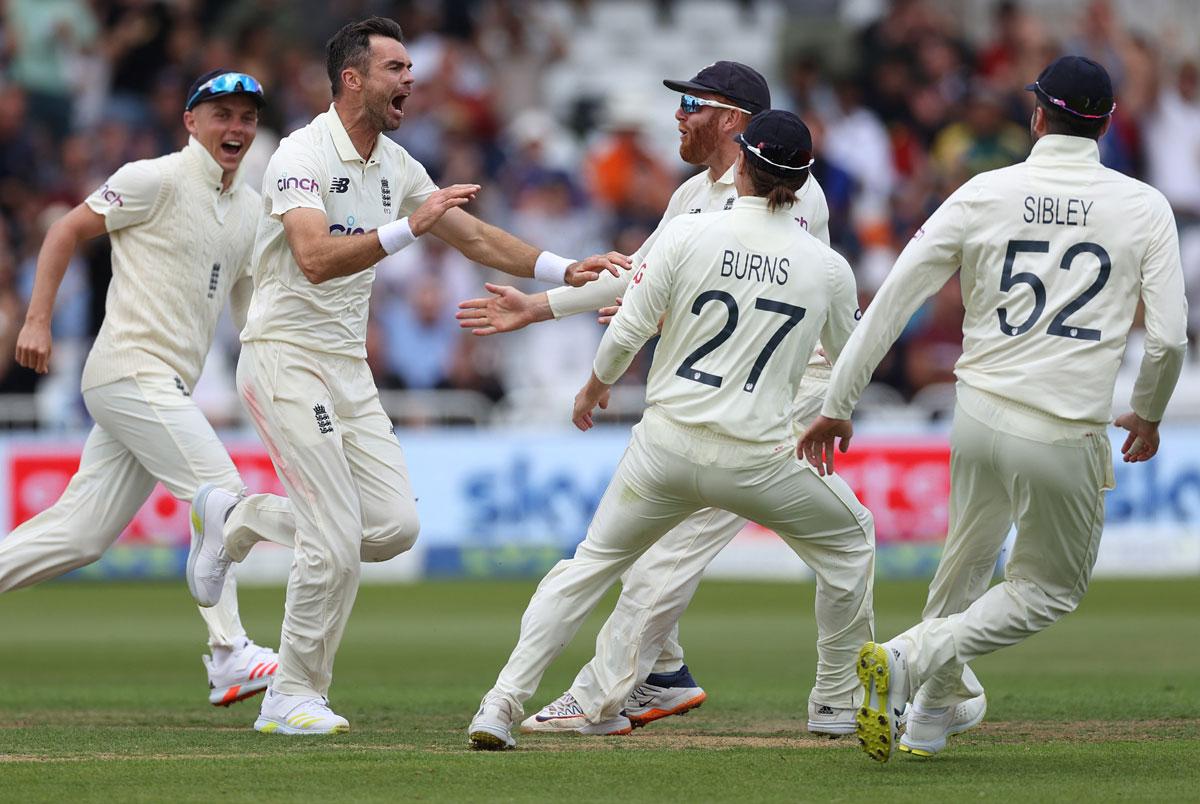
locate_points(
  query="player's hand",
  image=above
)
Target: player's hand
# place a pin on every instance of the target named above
(506, 310)
(33, 346)
(429, 213)
(606, 313)
(589, 270)
(1142, 442)
(593, 393)
(816, 445)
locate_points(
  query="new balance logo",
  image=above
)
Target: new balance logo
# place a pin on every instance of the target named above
(324, 423)
(339, 185)
(181, 387)
(695, 211)
(728, 203)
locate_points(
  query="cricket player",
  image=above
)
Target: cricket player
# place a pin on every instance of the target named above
(732, 289)
(716, 105)
(182, 232)
(338, 196)
(1055, 254)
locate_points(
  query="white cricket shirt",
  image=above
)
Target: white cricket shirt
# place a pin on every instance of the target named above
(698, 194)
(179, 244)
(318, 167)
(1055, 254)
(745, 295)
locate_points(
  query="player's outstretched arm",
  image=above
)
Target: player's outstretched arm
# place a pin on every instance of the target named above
(492, 246)
(34, 341)
(323, 256)
(506, 310)
(817, 443)
(1142, 442)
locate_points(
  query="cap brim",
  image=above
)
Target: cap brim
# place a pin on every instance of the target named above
(259, 100)
(1031, 87)
(687, 86)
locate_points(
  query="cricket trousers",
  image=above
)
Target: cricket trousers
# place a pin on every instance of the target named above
(334, 449)
(1008, 464)
(667, 474)
(659, 587)
(147, 430)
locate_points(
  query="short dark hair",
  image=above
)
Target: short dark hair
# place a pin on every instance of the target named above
(351, 46)
(1060, 121)
(779, 191)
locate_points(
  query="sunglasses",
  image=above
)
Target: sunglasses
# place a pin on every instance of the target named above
(758, 152)
(690, 104)
(224, 84)
(1062, 104)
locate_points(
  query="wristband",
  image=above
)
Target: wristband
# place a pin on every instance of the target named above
(396, 235)
(551, 268)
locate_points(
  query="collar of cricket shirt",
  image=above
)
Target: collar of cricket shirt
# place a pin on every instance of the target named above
(1064, 148)
(729, 176)
(345, 148)
(750, 202)
(208, 166)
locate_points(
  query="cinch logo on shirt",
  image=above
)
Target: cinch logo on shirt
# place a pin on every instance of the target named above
(339, 185)
(349, 228)
(111, 196)
(299, 183)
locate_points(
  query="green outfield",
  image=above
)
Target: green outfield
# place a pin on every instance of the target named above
(102, 698)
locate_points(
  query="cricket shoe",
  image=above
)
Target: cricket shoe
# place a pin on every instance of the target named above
(830, 720)
(883, 672)
(207, 563)
(491, 729)
(928, 729)
(298, 714)
(245, 672)
(662, 695)
(564, 715)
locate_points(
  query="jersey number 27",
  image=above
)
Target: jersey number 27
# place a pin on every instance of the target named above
(687, 369)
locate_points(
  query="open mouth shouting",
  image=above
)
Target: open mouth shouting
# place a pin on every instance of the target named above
(232, 147)
(398, 102)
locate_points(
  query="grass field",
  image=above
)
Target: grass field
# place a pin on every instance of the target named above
(102, 697)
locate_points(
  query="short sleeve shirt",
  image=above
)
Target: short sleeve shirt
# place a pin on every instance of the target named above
(318, 168)
(129, 196)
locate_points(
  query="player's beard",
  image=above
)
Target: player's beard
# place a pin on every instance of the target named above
(377, 108)
(700, 143)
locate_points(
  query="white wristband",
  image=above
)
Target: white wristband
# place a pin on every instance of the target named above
(396, 235)
(551, 268)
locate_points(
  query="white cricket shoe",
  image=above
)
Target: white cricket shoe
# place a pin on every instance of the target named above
(564, 715)
(491, 730)
(830, 720)
(883, 671)
(928, 729)
(245, 672)
(298, 714)
(649, 702)
(207, 563)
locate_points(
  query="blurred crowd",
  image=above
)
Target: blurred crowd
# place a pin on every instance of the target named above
(90, 84)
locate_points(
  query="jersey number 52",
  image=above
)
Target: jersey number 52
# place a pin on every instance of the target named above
(1058, 326)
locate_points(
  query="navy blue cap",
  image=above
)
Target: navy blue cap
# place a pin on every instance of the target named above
(744, 86)
(1077, 85)
(778, 142)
